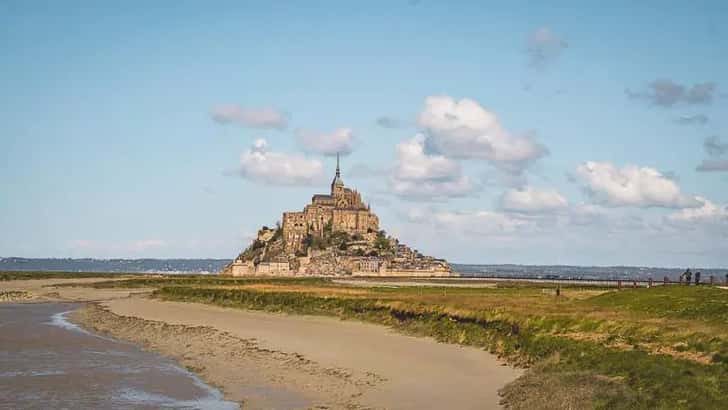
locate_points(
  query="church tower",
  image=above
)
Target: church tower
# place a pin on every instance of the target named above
(337, 185)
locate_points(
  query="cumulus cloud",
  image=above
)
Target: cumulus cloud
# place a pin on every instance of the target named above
(277, 168)
(706, 212)
(464, 129)
(432, 190)
(544, 46)
(341, 141)
(532, 200)
(254, 118)
(666, 93)
(389, 122)
(631, 185)
(697, 119)
(476, 222)
(419, 175)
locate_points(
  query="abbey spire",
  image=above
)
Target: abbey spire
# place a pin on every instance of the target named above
(337, 179)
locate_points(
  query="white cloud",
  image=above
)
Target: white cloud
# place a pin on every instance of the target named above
(277, 168)
(479, 222)
(432, 190)
(631, 185)
(414, 164)
(533, 200)
(706, 212)
(423, 176)
(464, 129)
(255, 118)
(341, 141)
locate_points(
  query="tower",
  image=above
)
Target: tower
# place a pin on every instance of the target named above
(337, 185)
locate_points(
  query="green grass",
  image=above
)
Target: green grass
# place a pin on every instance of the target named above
(664, 347)
(685, 302)
(618, 378)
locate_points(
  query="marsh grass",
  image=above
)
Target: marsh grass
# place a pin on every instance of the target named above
(664, 347)
(587, 372)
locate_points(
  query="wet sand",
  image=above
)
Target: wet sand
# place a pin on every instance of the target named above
(47, 362)
(369, 365)
(43, 290)
(265, 360)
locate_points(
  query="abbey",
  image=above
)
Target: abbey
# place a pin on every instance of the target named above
(337, 234)
(341, 211)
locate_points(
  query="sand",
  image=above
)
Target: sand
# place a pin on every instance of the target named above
(265, 360)
(43, 290)
(383, 369)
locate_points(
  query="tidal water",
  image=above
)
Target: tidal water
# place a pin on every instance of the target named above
(47, 362)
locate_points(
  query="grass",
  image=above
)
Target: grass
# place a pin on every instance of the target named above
(591, 348)
(682, 302)
(657, 348)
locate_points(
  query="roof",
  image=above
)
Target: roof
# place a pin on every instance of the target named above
(322, 196)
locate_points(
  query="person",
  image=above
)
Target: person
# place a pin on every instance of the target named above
(688, 277)
(697, 278)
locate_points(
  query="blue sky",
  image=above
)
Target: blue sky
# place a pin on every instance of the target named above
(501, 132)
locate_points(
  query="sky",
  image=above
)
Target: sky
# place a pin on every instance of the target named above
(590, 133)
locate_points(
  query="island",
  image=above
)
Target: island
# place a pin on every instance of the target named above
(337, 234)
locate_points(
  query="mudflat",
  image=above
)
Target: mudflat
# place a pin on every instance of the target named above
(316, 360)
(269, 360)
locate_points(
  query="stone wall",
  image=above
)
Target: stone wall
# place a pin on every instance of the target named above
(407, 273)
(358, 221)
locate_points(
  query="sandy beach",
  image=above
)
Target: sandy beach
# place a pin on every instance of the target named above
(265, 360)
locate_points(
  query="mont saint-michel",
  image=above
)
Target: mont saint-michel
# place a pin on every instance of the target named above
(337, 234)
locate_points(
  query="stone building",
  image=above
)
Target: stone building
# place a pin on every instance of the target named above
(340, 211)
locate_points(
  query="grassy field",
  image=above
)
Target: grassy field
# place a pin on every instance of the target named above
(664, 347)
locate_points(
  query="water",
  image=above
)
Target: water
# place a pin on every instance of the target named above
(46, 362)
(210, 266)
(202, 266)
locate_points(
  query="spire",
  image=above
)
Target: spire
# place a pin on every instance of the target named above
(337, 179)
(338, 172)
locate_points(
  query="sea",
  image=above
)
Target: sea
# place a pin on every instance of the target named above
(47, 362)
(212, 266)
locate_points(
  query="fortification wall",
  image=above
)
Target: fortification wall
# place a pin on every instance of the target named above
(406, 273)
